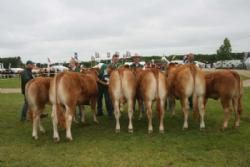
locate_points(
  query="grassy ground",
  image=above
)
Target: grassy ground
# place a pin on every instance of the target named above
(98, 145)
(243, 77)
(10, 83)
(16, 83)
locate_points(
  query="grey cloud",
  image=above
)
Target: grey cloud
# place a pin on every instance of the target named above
(36, 29)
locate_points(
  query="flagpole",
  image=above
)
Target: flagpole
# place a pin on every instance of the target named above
(48, 67)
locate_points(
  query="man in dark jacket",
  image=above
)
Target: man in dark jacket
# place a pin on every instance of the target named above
(26, 76)
(103, 89)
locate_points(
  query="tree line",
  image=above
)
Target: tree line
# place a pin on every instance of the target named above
(223, 53)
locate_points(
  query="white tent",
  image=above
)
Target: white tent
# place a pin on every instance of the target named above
(60, 67)
(16, 70)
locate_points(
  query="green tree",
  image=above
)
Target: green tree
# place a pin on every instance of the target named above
(224, 52)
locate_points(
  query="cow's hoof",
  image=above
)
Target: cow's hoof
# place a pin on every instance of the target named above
(202, 129)
(222, 129)
(150, 131)
(69, 139)
(161, 131)
(56, 139)
(117, 131)
(35, 137)
(236, 125)
(96, 122)
(130, 130)
(43, 131)
(185, 128)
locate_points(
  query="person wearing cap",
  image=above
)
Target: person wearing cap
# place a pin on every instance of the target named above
(136, 62)
(26, 76)
(103, 89)
(74, 65)
(189, 59)
(115, 61)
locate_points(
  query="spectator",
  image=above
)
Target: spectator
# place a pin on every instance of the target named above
(136, 61)
(26, 76)
(103, 89)
(189, 59)
(74, 65)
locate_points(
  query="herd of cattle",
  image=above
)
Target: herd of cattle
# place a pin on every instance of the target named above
(67, 90)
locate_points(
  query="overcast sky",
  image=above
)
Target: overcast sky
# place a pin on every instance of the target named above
(38, 29)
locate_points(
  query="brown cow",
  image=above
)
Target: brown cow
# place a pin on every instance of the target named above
(183, 82)
(226, 86)
(152, 86)
(122, 84)
(69, 89)
(37, 96)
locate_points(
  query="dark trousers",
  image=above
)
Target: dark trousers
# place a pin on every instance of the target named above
(24, 110)
(103, 91)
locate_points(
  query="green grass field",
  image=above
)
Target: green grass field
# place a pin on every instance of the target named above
(10, 83)
(243, 77)
(15, 82)
(99, 145)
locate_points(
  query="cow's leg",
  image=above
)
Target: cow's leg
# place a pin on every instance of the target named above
(55, 123)
(69, 116)
(140, 106)
(162, 113)
(117, 115)
(83, 120)
(41, 128)
(149, 114)
(171, 101)
(93, 108)
(201, 111)
(226, 106)
(130, 115)
(184, 103)
(35, 118)
(237, 114)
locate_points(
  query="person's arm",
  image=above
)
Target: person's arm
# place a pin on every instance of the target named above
(101, 72)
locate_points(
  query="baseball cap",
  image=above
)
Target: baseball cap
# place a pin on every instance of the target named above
(29, 62)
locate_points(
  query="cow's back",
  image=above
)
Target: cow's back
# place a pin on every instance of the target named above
(37, 91)
(222, 84)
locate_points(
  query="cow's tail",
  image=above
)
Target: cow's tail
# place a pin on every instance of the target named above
(30, 111)
(240, 108)
(193, 70)
(59, 112)
(158, 100)
(240, 90)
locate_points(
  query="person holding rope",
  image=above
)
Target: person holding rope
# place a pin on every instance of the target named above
(26, 76)
(103, 89)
